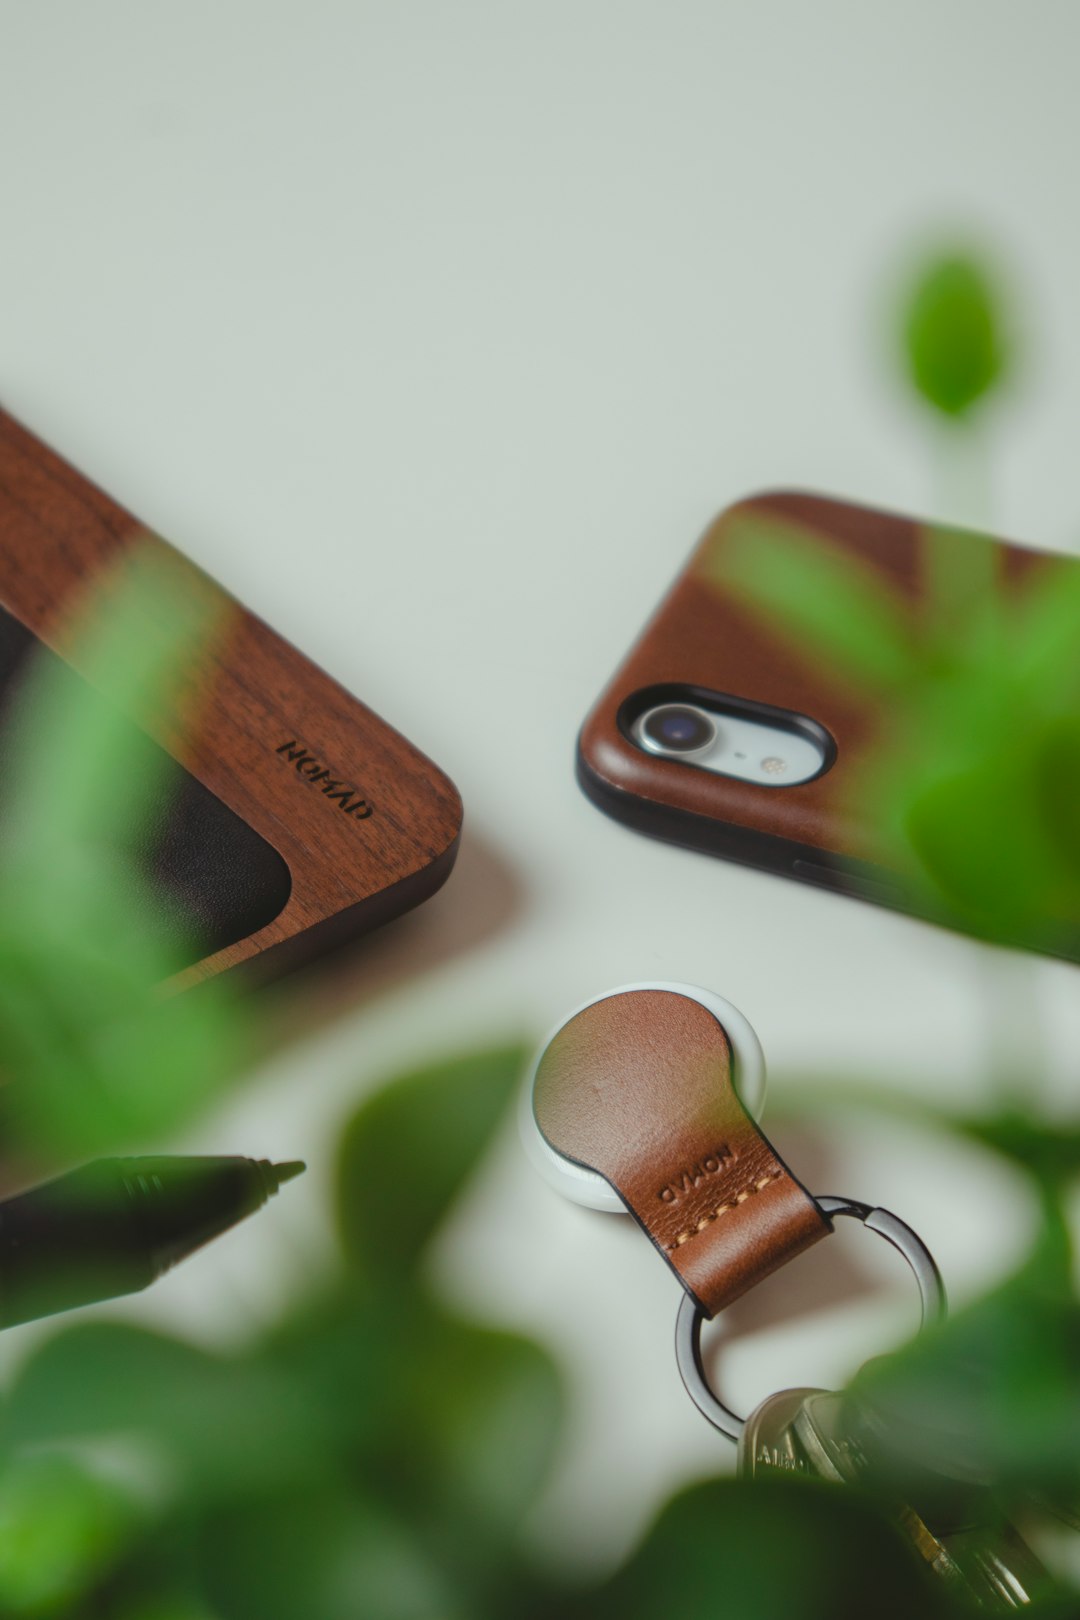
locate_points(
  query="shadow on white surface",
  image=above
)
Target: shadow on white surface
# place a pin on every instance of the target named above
(480, 899)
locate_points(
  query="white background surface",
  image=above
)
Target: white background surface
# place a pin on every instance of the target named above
(437, 332)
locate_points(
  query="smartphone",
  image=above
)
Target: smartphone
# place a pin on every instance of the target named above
(720, 733)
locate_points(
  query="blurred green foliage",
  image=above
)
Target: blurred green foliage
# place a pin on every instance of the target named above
(443, 1146)
(772, 1549)
(953, 339)
(61, 1526)
(975, 798)
(374, 1453)
(105, 1058)
(994, 1391)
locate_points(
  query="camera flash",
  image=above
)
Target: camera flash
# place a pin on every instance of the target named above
(773, 765)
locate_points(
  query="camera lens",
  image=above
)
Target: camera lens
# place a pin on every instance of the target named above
(674, 728)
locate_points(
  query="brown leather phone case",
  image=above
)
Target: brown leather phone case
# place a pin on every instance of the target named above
(287, 816)
(703, 638)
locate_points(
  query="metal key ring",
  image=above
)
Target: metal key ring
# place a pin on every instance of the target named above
(890, 1227)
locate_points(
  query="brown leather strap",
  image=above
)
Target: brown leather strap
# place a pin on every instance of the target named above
(639, 1088)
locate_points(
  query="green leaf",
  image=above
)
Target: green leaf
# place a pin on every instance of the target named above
(974, 833)
(834, 609)
(1048, 1152)
(1056, 774)
(353, 1354)
(335, 1554)
(981, 801)
(995, 1390)
(61, 1529)
(97, 1057)
(167, 1605)
(407, 1152)
(460, 1422)
(143, 626)
(961, 613)
(485, 1409)
(221, 1425)
(772, 1550)
(952, 334)
(1045, 620)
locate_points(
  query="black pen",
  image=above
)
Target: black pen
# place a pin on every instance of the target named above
(113, 1226)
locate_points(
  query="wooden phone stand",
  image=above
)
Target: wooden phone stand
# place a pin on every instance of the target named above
(297, 817)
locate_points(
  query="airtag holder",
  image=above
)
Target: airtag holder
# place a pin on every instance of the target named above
(637, 1089)
(585, 1186)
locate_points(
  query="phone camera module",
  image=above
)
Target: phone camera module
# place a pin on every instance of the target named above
(676, 728)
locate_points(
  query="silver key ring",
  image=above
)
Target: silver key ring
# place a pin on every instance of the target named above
(890, 1227)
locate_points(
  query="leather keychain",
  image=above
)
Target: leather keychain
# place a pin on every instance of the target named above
(638, 1101)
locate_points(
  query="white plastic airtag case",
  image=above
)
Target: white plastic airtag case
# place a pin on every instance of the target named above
(586, 1186)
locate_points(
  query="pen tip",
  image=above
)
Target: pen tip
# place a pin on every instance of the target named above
(285, 1172)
